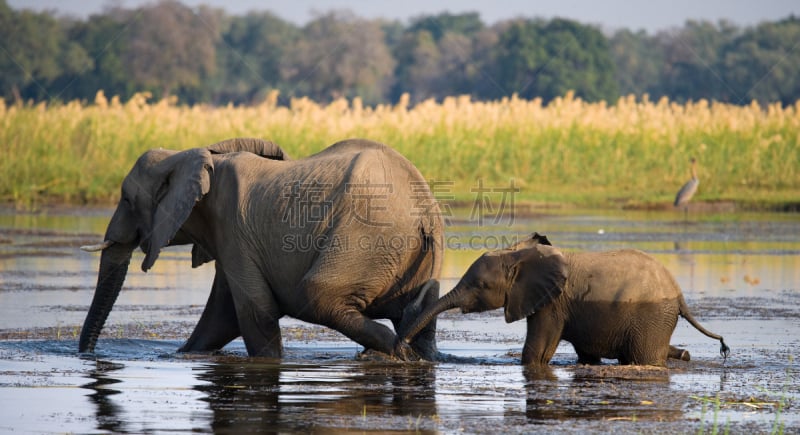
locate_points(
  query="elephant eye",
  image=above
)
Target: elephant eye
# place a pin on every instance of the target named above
(479, 283)
(127, 202)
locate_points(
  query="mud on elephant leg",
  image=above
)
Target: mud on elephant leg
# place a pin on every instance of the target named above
(218, 325)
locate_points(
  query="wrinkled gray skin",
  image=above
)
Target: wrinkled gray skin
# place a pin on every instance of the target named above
(619, 305)
(340, 238)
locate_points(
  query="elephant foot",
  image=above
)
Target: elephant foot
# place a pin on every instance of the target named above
(196, 353)
(423, 347)
(404, 352)
(425, 352)
(679, 354)
(373, 355)
(589, 360)
(204, 355)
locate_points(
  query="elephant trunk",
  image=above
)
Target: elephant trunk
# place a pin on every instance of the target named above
(446, 302)
(113, 268)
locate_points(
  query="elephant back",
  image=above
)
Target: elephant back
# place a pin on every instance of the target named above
(353, 145)
(626, 275)
(376, 164)
(260, 147)
(373, 157)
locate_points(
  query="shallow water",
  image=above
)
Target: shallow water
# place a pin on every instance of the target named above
(740, 275)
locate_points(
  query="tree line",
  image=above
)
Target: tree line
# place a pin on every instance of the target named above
(203, 55)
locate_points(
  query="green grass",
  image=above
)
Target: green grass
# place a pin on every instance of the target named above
(631, 153)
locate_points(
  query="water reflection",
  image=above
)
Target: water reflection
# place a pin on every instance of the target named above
(109, 414)
(601, 393)
(262, 397)
(272, 396)
(242, 398)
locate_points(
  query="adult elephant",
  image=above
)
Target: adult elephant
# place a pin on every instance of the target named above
(621, 305)
(345, 236)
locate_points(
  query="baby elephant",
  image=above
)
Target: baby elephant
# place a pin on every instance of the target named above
(620, 305)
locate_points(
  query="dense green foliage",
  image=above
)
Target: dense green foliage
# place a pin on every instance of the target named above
(205, 55)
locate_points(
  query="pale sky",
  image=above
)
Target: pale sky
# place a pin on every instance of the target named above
(608, 14)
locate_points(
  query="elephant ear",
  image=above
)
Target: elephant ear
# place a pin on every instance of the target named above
(263, 148)
(185, 179)
(531, 241)
(539, 274)
(540, 239)
(200, 256)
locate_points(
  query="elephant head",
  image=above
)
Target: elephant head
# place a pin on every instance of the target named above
(522, 279)
(158, 196)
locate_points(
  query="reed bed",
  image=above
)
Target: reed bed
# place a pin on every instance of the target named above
(634, 151)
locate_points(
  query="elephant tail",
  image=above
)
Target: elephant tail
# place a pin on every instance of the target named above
(724, 350)
(436, 245)
(431, 231)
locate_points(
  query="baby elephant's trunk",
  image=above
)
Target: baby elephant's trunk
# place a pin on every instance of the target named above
(724, 350)
(445, 303)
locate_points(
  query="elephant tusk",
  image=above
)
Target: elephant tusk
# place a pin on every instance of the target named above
(421, 296)
(97, 247)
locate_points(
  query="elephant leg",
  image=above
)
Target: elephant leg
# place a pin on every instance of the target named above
(337, 307)
(218, 325)
(362, 330)
(678, 353)
(257, 311)
(644, 358)
(544, 334)
(258, 322)
(645, 348)
(424, 343)
(587, 358)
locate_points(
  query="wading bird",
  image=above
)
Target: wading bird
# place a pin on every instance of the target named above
(688, 190)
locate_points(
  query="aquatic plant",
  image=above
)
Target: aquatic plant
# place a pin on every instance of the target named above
(779, 426)
(717, 403)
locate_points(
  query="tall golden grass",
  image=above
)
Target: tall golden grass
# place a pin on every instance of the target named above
(566, 151)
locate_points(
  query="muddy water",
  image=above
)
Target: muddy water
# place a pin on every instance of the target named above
(740, 274)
